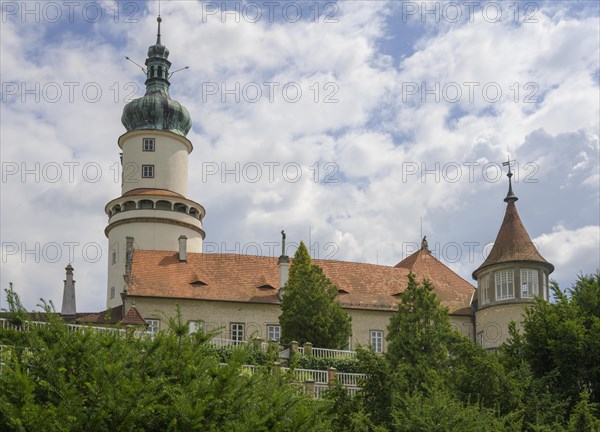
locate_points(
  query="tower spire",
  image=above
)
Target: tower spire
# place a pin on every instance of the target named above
(510, 196)
(158, 20)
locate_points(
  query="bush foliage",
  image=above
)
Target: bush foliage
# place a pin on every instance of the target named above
(545, 379)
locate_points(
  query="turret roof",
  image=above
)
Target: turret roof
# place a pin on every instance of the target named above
(512, 243)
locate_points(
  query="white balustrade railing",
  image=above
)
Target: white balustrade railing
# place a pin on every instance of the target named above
(220, 342)
(318, 376)
(352, 391)
(328, 353)
(320, 389)
(350, 379)
(332, 353)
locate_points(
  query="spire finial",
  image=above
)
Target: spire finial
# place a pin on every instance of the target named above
(510, 196)
(158, 20)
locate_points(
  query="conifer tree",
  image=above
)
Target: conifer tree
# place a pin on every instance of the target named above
(310, 310)
(419, 334)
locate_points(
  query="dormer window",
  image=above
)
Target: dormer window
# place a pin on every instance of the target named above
(148, 144)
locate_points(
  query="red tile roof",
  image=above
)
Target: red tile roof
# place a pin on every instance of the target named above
(243, 278)
(448, 285)
(110, 316)
(512, 243)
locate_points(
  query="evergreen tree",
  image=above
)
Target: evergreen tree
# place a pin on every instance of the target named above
(310, 311)
(54, 379)
(419, 335)
(562, 339)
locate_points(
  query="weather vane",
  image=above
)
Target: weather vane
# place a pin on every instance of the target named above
(510, 196)
(509, 163)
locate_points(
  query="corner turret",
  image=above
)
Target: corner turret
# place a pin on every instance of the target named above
(513, 274)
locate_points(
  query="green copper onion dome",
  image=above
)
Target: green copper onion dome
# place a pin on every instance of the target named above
(156, 110)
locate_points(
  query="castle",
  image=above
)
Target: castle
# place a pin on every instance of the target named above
(156, 263)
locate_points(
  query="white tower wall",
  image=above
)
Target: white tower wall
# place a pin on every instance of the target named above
(169, 158)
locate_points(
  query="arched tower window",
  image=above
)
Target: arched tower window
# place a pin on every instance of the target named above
(179, 207)
(163, 205)
(129, 205)
(146, 204)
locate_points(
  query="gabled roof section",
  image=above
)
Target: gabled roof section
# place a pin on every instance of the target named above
(133, 317)
(448, 286)
(241, 278)
(512, 243)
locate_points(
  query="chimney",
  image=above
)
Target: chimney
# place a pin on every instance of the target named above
(68, 310)
(182, 248)
(284, 265)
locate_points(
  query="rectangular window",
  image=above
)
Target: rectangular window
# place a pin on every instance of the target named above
(377, 340)
(529, 283)
(545, 292)
(147, 171)
(114, 257)
(196, 326)
(274, 332)
(148, 144)
(505, 286)
(237, 333)
(112, 292)
(153, 326)
(485, 289)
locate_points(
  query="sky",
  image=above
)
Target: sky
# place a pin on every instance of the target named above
(356, 125)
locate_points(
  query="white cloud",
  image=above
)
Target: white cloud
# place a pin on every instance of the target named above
(370, 138)
(572, 251)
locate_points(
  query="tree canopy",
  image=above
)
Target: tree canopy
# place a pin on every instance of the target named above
(54, 379)
(544, 379)
(310, 311)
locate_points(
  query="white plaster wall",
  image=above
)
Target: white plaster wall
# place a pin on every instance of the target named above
(218, 316)
(491, 324)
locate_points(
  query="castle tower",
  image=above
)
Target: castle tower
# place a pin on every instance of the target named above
(513, 274)
(153, 211)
